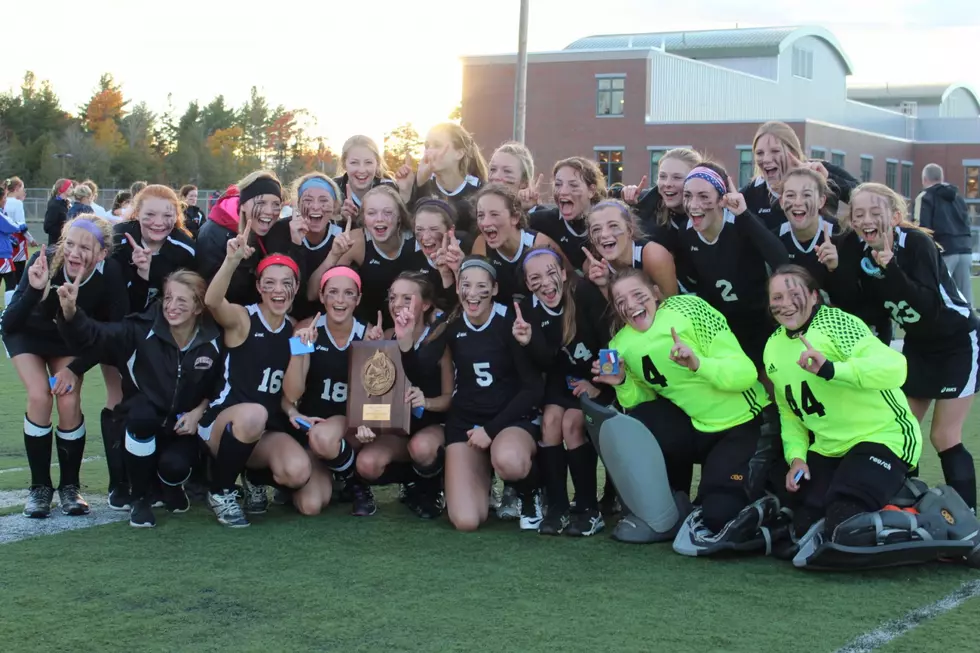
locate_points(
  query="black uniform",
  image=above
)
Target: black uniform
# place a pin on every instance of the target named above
(313, 256)
(253, 371)
(377, 273)
(765, 204)
(342, 182)
(460, 198)
(326, 378)
(422, 367)
(510, 277)
(571, 237)
(193, 219)
(732, 276)
(496, 385)
(176, 252)
(669, 236)
(446, 298)
(941, 330)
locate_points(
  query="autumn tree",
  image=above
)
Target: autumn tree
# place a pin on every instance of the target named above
(401, 142)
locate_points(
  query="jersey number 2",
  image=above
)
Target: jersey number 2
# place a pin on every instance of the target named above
(339, 393)
(484, 378)
(651, 374)
(726, 290)
(810, 404)
(271, 381)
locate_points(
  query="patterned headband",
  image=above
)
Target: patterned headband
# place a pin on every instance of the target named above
(709, 176)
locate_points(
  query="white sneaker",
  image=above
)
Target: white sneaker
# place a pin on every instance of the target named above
(227, 509)
(532, 511)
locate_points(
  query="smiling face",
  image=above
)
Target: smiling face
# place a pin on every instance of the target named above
(870, 216)
(400, 297)
(317, 206)
(494, 220)
(157, 218)
(441, 152)
(801, 201)
(702, 204)
(340, 297)
(545, 278)
(362, 167)
(262, 211)
(670, 182)
(572, 195)
(609, 232)
(506, 169)
(771, 158)
(277, 286)
(380, 217)
(191, 198)
(430, 227)
(634, 302)
(790, 303)
(179, 304)
(82, 252)
(476, 290)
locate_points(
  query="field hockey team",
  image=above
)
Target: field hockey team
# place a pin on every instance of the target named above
(746, 321)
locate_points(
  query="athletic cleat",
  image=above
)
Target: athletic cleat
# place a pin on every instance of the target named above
(409, 494)
(120, 499)
(586, 523)
(554, 523)
(175, 498)
(532, 512)
(363, 500)
(141, 516)
(227, 509)
(71, 501)
(609, 504)
(430, 506)
(196, 491)
(405, 491)
(343, 494)
(256, 497)
(38, 504)
(281, 497)
(509, 504)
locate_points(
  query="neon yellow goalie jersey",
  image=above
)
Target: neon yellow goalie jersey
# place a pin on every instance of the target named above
(862, 402)
(723, 393)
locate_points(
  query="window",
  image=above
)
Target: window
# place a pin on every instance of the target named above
(866, 167)
(609, 96)
(837, 158)
(907, 179)
(891, 174)
(972, 183)
(655, 156)
(611, 163)
(818, 153)
(746, 165)
(802, 63)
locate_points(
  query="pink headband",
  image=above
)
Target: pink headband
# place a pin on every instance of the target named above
(709, 176)
(340, 271)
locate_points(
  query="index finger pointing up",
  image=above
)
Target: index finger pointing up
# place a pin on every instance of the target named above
(673, 334)
(805, 342)
(248, 230)
(589, 256)
(828, 230)
(731, 185)
(517, 310)
(643, 183)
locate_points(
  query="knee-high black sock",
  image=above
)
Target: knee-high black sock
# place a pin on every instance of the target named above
(141, 462)
(343, 464)
(430, 476)
(71, 447)
(554, 476)
(113, 434)
(583, 462)
(230, 461)
(608, 489)
(37, 442)
(960, 474)
(531, 482)
(263, 477)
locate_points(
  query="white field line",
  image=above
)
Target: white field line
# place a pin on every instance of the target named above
(14, 528)
(24, 469)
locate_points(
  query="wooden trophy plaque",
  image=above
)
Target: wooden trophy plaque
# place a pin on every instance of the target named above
(376, 389)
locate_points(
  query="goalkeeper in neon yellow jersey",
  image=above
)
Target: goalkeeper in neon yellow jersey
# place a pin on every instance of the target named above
(834, 379)
(684, 375)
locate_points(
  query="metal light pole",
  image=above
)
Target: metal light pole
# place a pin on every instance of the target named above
(520, 86)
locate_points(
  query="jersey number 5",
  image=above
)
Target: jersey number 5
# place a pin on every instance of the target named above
(339, 394)
(484, 378)
(271, 381)
(651, 374)
(810, 404)
(726, 290)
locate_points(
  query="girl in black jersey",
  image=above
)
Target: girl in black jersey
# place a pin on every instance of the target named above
(578, 186)
(430, 370)
(505, 239)
(494, 398)
(39, 353)
(452, 169)
(363, 168)
(379, 250)
(317, 202)
(562, 326)
(437, 252)
(777, 150)
(513, 166)
(897, 266)
(617, 239)
(234, 426)
(729, 248)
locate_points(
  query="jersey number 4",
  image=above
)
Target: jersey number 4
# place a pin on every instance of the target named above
(339, 393)
(810, 404)
(271, 380)
(651, 374)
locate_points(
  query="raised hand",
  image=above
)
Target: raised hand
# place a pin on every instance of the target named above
(405, 323)
(68, 296)
(598, 269)
(631, 194)
(376, 332)
(733, 200)
(827, 251)
(142, 257)
(454, 255)
(811, 360)
(307, 334)
(682, 354)
(424, 172)
(521, 329)
(404, 179)
(885, 255)
(37, 274)
(608, 379)
(238, 248)
(349, 209)
(531, 195)
(298, 228)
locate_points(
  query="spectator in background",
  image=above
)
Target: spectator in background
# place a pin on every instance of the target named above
(57, 212)
(941, 208)
(7, 243)
(97, 208)
(16, 193)
(81, 201)
(120, 205)
(193, 216)
(134, 190)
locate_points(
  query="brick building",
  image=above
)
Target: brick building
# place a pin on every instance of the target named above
(625, 99)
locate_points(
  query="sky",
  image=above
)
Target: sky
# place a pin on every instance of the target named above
(368, 65)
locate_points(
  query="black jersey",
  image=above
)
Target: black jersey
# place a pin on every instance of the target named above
(176, 252)
(254, 369)
(571, 237)
(426, 374)
(327, 376)
(915, 288)
(805, 254)
(378, 272)
(765, 203)
(510, 277)
(669, 236)
(445, 298)
(313, 256)
(460, 198)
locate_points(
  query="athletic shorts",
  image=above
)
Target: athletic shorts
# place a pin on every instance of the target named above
(870, 474)
(457, 425)
(557, 393)
(943, 368)
(212, 412)
(43, 347)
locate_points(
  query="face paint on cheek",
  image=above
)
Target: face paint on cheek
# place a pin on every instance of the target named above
(555, 276)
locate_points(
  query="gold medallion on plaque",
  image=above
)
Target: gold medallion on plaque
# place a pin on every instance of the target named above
(378, 374)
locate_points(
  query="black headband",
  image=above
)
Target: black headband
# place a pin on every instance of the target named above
(261, 186)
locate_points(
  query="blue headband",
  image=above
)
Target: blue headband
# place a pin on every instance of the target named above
(91, 227)
(317, 182)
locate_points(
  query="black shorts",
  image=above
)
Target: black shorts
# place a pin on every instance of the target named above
(211, 414)
(870, 474)
(457, 425)
(943, 368)
(46, 348)
(429, 418)
(557, 393)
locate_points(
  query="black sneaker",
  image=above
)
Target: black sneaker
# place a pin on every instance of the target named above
(175, 498)
(256, 497)
(586, 523)
(609, 504)
(281, 497)
(141, 516)
(120, 499)
(196, 491)
(363, 500)
(227, 509)
(554, 522)
(430, 505)
(344, 493)
(71, 501)
(38, 504)
(410, 495)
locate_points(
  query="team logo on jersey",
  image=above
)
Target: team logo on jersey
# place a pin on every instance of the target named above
(871, 269)
(879, 461)
(374, 261)
(203, 363)
(771, 369)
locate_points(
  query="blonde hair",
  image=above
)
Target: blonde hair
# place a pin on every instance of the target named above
(58, 260)
(896, 204)
(192, 280)
(294, 190)
(159, 191)
(404, 218)
(625, 212)
(782, 132)
(359, 140)
(687, 156)
(523, 156)
(590, 173)
(472, 162)
(247, 181)
(81, 192)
